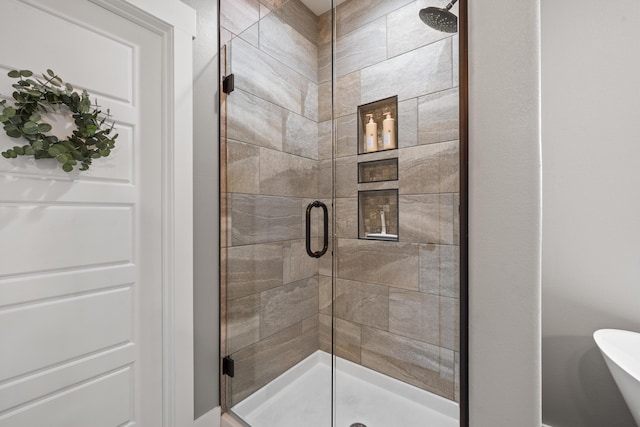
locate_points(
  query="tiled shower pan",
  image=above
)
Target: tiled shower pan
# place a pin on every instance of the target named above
(302, 397)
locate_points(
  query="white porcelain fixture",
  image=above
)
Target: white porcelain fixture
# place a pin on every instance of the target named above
(621, 351)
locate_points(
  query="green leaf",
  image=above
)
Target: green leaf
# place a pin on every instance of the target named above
(9, 112)
(5, 155)
(3, 118)
(37, 145)
(62, 158)
(44, 127)
(30, 131)
(69, 87)
(54, 151)
(33, 92)
(26, 73)
(14, 133)
(28, 150)
(12, 154)
(19, 150)
(51, 73)
(30, 125)
(67, 167)
(14, 74)
(35, 117)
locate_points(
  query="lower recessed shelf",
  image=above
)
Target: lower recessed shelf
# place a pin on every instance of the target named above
(378, 215)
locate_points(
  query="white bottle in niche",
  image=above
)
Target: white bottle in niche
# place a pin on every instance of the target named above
(371, 137)
(388, 132)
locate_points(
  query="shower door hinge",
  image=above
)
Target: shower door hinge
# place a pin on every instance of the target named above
(228, 84)
(228, 366)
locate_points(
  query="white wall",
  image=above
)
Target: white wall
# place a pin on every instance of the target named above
(206, 217)
(591, 230)
(504, 191)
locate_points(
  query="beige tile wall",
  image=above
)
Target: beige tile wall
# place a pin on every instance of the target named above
(396, 303)
(272, 169)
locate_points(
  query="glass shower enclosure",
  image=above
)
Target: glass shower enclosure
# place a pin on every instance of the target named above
(340, 224)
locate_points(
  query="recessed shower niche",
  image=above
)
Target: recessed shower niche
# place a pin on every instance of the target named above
(378, 126)
(378, 215)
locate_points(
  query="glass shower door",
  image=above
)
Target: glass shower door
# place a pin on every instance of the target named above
(276, 209)
(340, 199)
(396, 255)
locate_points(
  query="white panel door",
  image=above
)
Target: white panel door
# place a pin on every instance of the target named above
(80, 253)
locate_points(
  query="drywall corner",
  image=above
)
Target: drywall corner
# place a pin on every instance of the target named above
(504, 214)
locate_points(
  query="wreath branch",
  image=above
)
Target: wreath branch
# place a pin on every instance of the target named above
(88, 141)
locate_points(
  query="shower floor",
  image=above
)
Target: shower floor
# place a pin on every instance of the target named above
(302, 397)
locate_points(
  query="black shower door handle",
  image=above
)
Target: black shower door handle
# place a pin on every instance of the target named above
(318, 204)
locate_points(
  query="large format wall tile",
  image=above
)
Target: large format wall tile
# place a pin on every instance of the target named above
(253, 268)
(283, 174)
(243, 161)
(288, 46)
(325, 65)
(360, 48)
(406, 31)
(438, 114)
(325, 148)
(272, 4)
(325, 285)
(243, 322)
(408, 360)
(238, 15)
(347, 218)
(431, 168)
(426, 218)
(347, 135)
(254, 121)
(325, 30)
(300, 18)
(419, 169)
(324, 101)
(455, 47)
(415, 315)
(385, 263)
(415, 73)
(346, 177)
(347, 94)
(252, 35)
(456, 218)
(301, 136)
(346, 337)
(449, 323)
(258, 73)
(261, 219)
(297, 264)
(440, 270)
(260, 363)
(354, 14)
(408, 123)
(449, 167)
(325, 180)
(283, 306)
(362, 303)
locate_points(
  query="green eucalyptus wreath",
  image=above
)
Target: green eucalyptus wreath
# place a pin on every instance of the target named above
(89, 140)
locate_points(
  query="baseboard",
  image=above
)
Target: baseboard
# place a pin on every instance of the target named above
(210, 419)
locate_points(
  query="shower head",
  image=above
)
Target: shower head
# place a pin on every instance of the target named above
(440, 19)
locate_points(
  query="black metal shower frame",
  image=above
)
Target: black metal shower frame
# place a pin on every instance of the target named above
(463, 39)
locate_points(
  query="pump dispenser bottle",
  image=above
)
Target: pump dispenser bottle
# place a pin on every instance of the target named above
(388, 132)
(371, 136)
